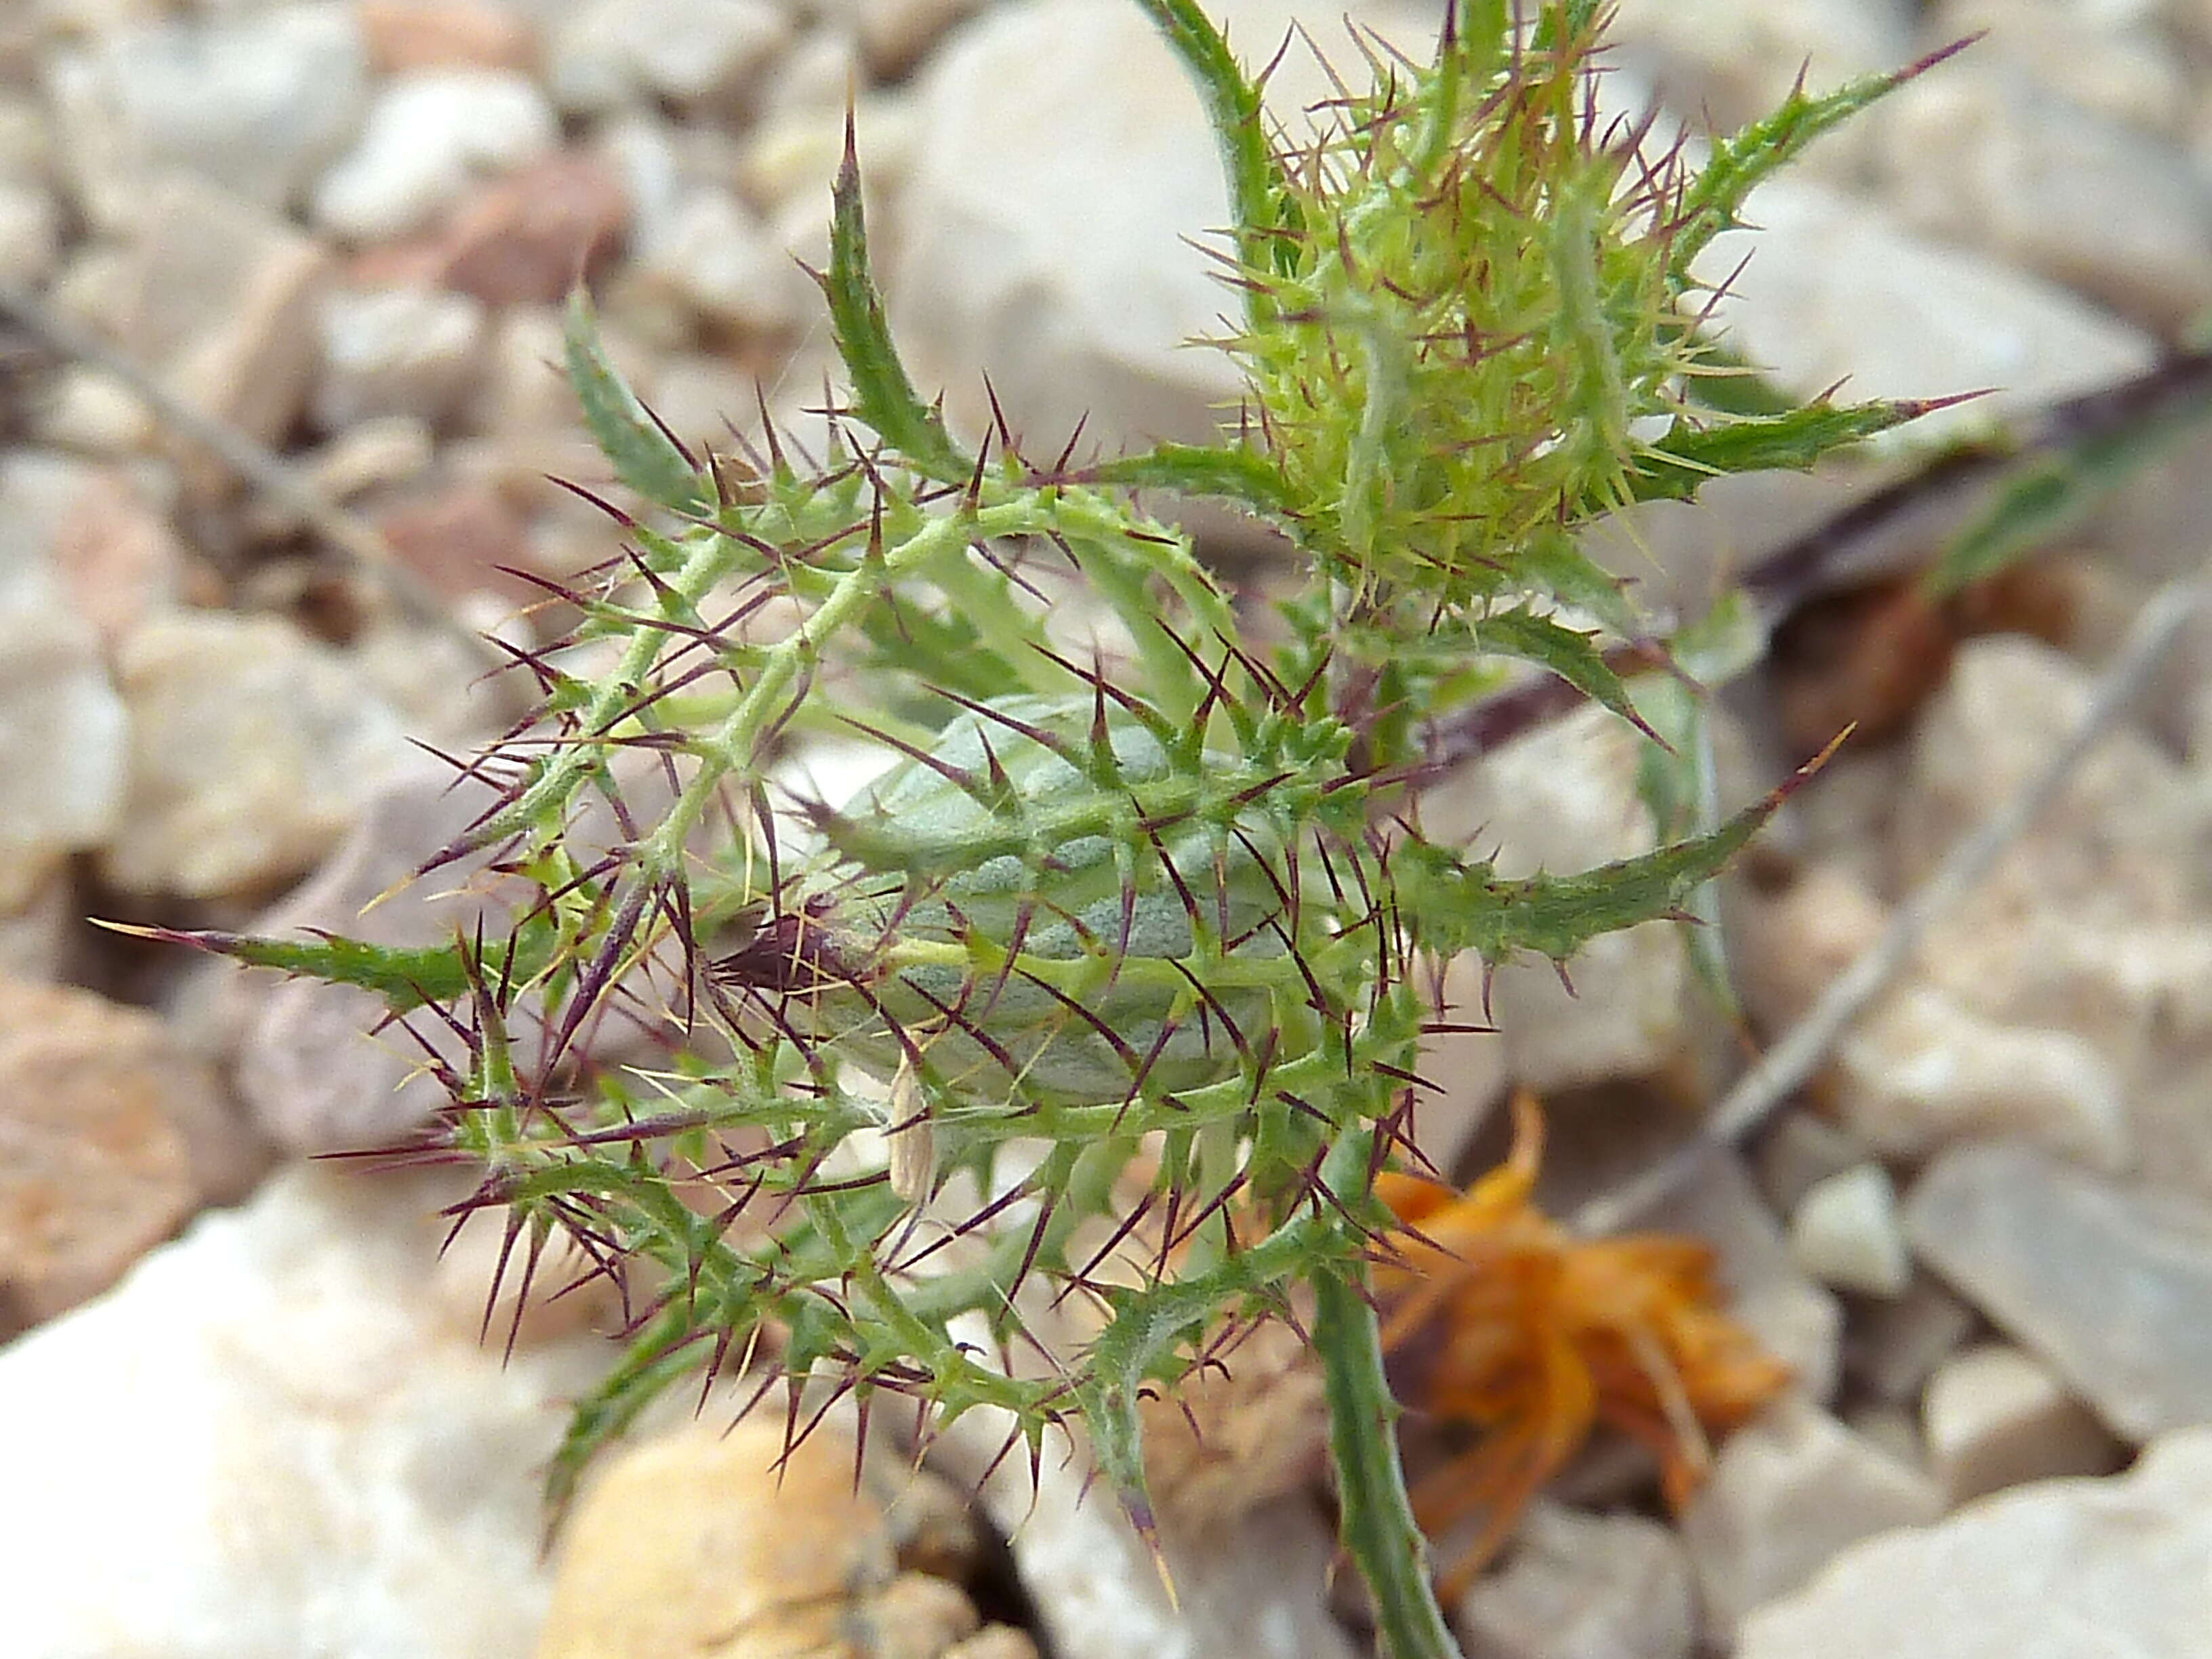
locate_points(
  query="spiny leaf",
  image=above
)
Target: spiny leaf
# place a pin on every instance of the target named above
(1677, 466)
(883, 395)
(1575, 656)
(1563, 22)
(1464, 905)
(1240, 475)
(1109, 1413)
(919, 652)
(405, 977)
(1258, 198)
(1555, 564)
(644, 457)
(1715, 200)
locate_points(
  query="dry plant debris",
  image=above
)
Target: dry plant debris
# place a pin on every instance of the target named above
(1497, 1318)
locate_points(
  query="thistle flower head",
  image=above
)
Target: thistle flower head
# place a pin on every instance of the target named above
(1470, 310)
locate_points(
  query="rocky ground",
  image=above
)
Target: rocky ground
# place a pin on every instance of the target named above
(253, 1416)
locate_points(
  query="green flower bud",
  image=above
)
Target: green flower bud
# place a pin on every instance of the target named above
(1055, 894)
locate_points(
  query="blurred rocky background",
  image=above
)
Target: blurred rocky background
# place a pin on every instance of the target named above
(254, 1415)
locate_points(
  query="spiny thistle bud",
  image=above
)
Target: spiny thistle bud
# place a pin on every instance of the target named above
(1473, 305)
(1060, 897)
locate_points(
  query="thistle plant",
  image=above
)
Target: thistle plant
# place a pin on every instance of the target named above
(1115, 985)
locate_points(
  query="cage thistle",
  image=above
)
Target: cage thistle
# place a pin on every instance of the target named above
(1137, 955)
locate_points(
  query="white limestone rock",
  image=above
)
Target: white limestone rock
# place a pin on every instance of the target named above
(1844, 1233)
(521, 389)
(1786, 1494)
(1835, 290)
(1795, 1319)
(252, 750)
(430, 134)
(2110, 1287)
(2051, 1570)
(1787, 948)
(1797, 1152)
(2084, 198)
(2086, 945)
(283, 1446)
(720, 262)
(216, 295)
(1254, 1590)
(1728, 65)
(390, 351)
(64, 734)
(1062, 166)
(1563, 799)
(30, 233)
(615, 53)
(257, 103)
(1921, 1072)
(2118, 57)
(1580, 1586)
(1995, 1416)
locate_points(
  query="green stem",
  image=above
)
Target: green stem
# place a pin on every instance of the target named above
(1378, 1530)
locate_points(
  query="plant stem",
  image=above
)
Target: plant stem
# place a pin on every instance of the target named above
(1378, 1530)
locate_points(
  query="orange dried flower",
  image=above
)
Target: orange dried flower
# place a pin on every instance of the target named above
(1510, 1324)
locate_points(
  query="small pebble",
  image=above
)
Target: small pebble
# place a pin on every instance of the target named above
(1994, 1417)
(1845, 1232)
(1786, 1494)
(608, 53)
(396, 351)
(429, 133)
(412, 34)
(2110, 1285)
(252, 751)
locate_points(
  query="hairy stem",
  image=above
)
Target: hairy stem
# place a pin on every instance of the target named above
(1378, 1530)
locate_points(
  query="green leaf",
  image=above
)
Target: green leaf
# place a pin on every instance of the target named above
(1259, 197)
(405, 977)
(883, 395)
(662, 1355)
(2101, 441)
(1550, 560)
(1464, 905)
(920, 653)
(1714, 201)
(1677, 466)
(1235, 473)
(1575, 656)
(1676, 783)
(644, 457)
(1563, 23)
